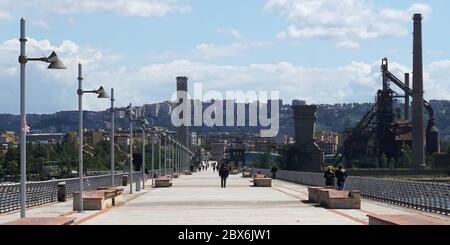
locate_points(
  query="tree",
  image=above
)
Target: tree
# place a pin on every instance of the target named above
(391, 163)
(406, 160)
(264, 160)
(383, 161)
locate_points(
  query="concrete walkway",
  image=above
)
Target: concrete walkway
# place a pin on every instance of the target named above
(198, 200)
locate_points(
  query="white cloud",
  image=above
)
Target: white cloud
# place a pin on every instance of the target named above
(40, 23)
(210, 51)
(4, 16)
(231, 32)
(206, 51)
(141, 8)
(348, 44)
(348, 20)
(354, 82)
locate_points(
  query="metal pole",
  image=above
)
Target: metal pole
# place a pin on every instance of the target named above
(173, 158)
(178, 158)
(165, 155)
(131, 151)
(153, 158)
(80, 132)
(112, 137)
(159, 153)
(23, 133)
(143, 157)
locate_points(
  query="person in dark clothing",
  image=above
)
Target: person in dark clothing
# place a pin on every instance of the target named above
(329, 177)
(223, 173)
(274, 171)
(341, 176)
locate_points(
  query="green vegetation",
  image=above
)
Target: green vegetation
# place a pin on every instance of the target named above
(60, 160)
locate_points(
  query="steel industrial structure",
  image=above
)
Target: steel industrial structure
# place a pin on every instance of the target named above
(380, 132)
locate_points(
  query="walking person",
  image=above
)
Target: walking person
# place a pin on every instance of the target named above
(274, 171)
(341, 176)
(329, 177)
(223, 173)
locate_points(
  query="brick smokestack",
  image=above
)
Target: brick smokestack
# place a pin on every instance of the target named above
(418, 143)
(183, 131)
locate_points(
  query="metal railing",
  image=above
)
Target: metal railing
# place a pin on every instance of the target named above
(432, 197)
(43, 192)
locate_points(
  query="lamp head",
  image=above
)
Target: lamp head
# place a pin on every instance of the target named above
(145, 123)
(102, 94)
(55, 62)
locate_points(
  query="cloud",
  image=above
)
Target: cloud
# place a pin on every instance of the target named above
(345, 21)
(206, 51)
(40, 23)
(4, 16)
(51, 91)
(348, 44)
(141, 8)
(231, 32)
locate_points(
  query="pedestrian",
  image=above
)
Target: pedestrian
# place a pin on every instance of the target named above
(341, 176)
(274, 171)
(223, 173)
(214, 168)
(329, 177)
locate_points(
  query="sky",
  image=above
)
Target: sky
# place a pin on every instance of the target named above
(321, 51)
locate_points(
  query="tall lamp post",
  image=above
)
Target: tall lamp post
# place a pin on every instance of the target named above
(145, 124)
(102, 95)
(153, 156)
(55, 63)
(113, 110)
(130, 117)
(159, 153)
(165, 154)
(112, 136)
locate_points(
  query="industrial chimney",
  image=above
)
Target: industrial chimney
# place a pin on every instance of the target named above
(418, 143)
(183, 131)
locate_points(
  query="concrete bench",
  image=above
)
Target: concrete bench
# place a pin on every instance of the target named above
(246, 174)
(335, 199)
(313, 193)
(234, 172)
(163, 181)
(187, 172)
(115, 193)
(261, 180)
(176, 175)
(99, 200)
(404, 219)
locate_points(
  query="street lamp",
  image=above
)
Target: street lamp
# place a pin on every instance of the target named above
(113, 109)
(145, 124)
(131, 113)
(165, 154)
(153, 156)
(112, 136)
(102, 95)
(55, 63)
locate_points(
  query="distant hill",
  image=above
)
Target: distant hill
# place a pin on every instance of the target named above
(330, 118)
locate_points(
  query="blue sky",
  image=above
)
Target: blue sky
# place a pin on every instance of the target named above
(322, 51)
